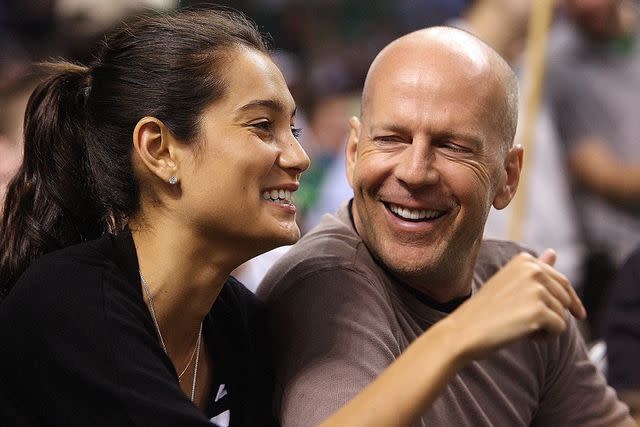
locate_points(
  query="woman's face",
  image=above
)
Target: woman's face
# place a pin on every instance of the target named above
(238, 188)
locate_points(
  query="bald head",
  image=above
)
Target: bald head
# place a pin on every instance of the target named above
(449, 56)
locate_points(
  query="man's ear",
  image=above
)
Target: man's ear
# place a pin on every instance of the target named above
(513, 166)
(155, 147)
(352, 147)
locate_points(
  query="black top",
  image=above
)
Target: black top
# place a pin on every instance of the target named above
(78, 347)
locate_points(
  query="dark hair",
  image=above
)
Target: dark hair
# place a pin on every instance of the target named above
(76, 181)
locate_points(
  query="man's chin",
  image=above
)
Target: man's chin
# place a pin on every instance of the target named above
(409, 266)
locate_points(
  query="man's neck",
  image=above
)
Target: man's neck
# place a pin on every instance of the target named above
(445, 286)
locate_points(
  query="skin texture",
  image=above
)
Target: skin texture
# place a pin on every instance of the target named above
(430, 139)
(191, 235)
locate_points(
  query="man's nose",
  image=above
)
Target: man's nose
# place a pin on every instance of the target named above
(417, 166)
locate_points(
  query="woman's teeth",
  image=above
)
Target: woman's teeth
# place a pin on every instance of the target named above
(278, 196)
(413, 214)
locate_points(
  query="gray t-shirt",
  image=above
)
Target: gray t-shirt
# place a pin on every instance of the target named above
(594, 88)
(339, 320)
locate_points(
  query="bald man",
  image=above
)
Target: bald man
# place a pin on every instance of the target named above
(430, 154)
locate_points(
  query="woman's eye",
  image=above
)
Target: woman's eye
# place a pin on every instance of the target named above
(297, 132)
(265, 126)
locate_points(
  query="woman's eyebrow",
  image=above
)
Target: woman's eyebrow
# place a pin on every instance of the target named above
(275, 105)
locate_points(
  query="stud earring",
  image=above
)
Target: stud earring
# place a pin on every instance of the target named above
(173, 180)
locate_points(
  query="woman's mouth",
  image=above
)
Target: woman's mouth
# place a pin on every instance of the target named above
(280, 196)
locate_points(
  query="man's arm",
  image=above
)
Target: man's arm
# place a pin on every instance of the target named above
(574, 391)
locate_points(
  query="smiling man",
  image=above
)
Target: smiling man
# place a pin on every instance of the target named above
(430, 154)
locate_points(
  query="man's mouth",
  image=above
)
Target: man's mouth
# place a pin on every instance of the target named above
(283, 197)
(414, 215)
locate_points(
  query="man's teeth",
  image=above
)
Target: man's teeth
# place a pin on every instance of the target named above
(277, 196)
(413, 214)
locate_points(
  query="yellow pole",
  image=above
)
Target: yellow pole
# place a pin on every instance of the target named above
(539, 23)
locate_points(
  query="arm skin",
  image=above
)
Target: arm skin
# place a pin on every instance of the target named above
(526, 297)
(593, 164)
(632, 398)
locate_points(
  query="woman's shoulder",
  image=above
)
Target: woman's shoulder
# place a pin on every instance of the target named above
(63, 282)
(235, 297)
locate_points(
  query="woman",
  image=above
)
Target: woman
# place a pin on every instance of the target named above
(179, 141)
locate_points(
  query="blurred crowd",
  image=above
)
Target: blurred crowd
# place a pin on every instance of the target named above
(581, 189)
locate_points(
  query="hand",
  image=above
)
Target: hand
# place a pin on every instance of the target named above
(527, 296)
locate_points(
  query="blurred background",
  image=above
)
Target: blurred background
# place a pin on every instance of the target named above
(581, 189)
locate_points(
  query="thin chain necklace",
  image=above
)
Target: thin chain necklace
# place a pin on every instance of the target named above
(145, 285)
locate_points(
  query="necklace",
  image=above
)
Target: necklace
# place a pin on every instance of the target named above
(196, 351)
(193, 353)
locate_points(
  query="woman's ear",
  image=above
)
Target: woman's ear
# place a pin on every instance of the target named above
(155, 147)
(513, 167)
(352, 148)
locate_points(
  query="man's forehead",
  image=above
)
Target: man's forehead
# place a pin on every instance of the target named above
(432, 46)
(447, 41)
(435, 54)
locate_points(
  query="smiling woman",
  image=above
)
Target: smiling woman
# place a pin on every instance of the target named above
(148, 176)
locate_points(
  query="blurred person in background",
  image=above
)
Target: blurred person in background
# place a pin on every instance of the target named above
(328, 125)
(594, 83)
(13, 101)
(549, 217)
(623, 334)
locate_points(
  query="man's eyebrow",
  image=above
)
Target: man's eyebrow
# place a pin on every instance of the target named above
(272, 104)
(389, 127)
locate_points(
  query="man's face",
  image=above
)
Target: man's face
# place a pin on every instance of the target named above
(425, 164)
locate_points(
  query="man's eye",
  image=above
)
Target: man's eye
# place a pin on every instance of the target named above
(456, 148)
(388, 138)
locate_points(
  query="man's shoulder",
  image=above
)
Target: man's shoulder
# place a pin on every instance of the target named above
(494, 254)
(331, 247)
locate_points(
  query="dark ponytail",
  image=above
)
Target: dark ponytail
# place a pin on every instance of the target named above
(48, 203)
(76, 180)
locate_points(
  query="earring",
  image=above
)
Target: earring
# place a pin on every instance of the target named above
(173, 180)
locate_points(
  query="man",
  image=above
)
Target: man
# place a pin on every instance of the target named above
(428, 157)
(594, 86)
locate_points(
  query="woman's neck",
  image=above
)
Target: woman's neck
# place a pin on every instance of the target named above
(184, 274)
